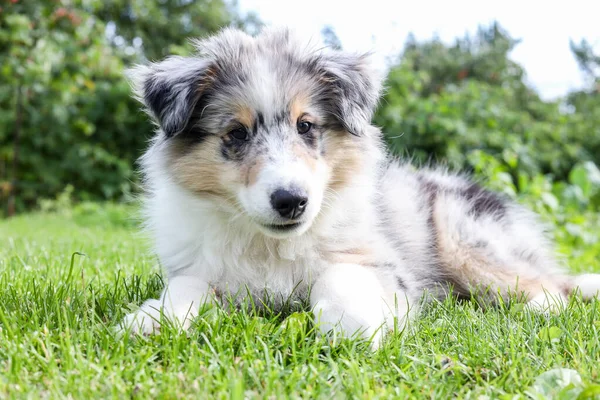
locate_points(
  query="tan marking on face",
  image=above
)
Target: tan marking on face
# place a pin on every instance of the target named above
(202, 170)
(252, 171)
(299, 107)
(344, 157)
(298, 111)
(245, 116)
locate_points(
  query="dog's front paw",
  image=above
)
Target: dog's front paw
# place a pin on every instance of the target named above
(148, 319)
(342, 322)
(349, 300)
(548, 303)
(145, 321)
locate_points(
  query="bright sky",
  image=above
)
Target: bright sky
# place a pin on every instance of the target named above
(544, 27)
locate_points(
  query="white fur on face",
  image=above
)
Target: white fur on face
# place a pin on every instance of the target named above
(282, 170)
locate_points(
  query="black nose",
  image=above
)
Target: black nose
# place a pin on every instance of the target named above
(288, 204)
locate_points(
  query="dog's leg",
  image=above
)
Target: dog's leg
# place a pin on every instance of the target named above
(481, 273)
(496, 252)
(586, 285)
(350, 299)
(179, 304)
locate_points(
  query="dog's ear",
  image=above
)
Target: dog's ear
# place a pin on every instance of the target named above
(354, 88)
(170, 90)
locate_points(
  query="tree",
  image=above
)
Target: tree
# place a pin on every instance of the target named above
(585, 104)
(444, 102)
(160, 28)
(56, 66)
(589, 62)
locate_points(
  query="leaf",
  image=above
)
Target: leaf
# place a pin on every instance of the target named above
(551, 334)
(560, 383)
(295, 326)
(590, 392)
(550, 200)
(517, 308)
(587, 177)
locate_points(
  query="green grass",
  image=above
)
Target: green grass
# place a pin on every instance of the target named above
(57, 310)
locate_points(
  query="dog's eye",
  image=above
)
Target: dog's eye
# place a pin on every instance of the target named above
(303, 127)
(239, 133)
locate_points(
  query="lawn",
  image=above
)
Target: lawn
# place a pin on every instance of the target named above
(67, 278)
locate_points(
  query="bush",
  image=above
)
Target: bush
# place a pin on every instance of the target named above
(443, 102)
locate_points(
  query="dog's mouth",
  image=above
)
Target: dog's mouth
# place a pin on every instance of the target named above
(283, 227)
(285, 231)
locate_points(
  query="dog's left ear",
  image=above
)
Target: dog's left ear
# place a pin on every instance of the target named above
(355, 89)
(170, 90)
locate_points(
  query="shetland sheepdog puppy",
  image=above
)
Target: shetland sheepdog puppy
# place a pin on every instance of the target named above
(266, 180)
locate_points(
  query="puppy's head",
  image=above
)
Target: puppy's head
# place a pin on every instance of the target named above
(262, 124)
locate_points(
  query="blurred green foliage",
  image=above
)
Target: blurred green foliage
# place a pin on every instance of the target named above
(67, 119)
(160, 28)
(444, 102)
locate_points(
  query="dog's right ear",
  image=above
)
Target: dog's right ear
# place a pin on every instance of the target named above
(170, 90)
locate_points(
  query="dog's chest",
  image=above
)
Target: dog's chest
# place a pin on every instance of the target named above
(280, 271)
